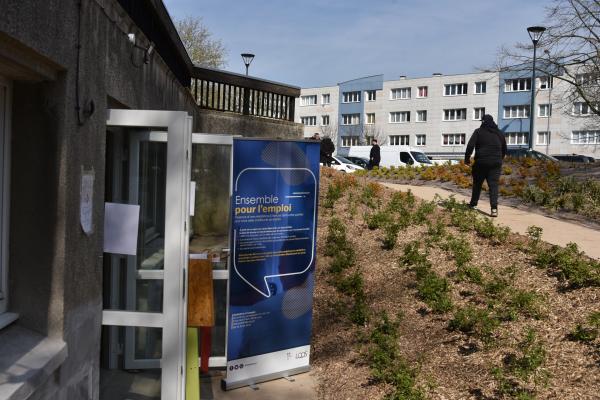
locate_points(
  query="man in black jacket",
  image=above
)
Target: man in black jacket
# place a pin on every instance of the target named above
(374, 155)
(490, 148)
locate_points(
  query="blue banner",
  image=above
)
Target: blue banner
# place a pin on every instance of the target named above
(274, 221)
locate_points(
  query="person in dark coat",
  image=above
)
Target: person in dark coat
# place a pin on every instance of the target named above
(374, 155)
(327, 149)
(490, 149)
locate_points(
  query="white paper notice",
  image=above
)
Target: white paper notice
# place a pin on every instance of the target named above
(192, 197)
(121, 228)
(86, 195)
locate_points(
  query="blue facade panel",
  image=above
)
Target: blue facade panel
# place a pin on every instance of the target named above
(513, 99)
(356, 85)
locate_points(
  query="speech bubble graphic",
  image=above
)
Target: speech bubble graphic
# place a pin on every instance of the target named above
(272, 236)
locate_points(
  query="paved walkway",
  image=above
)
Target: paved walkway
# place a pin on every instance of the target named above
(303, 387)
(555, 231)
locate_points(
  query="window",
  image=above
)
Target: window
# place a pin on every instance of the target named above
(422, 92)
(581, 108)
(544, 110)
(587, 79)
(545, 82)
(478, 113)
(421, 115)
(421, 140)
(480, 87)
(516, 112)
(370, 118)
(400, 94)
(369, 139)
(371, 95)
(399, 140)
(325, 98)
(455, 89)
(585, 137)
(399, 117)
(5, 108)
(543, 138)
(308, 100)
(517, 138)
(350, 119)
(453, 139)
(351, 97)
(309, 121)
(348, 141)
(517, 85)
(325, 120)
(456, 114)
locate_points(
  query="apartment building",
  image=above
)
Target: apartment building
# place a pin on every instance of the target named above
(439, 113)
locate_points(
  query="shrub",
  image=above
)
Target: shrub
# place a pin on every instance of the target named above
(412, 256)
(390, 235)
(377, 220)
(425, 209)
(334, 193)
(472, 274)
(486, 228)
(336, 237)
(522, 302)
(460, 249)
(569, 265)
(434, 291)
(587, 332)
(474, 321)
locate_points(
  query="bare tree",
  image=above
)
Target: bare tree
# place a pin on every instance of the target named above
(571, 53)
(330, 131)
(371, 132)
(202, 48)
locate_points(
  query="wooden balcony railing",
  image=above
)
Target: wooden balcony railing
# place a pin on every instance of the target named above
(214, 89)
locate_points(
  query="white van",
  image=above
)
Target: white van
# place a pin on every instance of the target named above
(393, 156)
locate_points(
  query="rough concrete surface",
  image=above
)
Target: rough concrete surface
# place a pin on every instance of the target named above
(554, 231)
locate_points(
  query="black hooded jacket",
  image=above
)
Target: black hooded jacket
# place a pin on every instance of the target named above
(488, 142)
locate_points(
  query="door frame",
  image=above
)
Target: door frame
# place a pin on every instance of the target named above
(173, 319)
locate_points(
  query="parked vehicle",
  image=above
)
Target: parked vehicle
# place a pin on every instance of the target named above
(393, 156)
(360, 161)
(342, 164)
(574, 158)
(522, 152)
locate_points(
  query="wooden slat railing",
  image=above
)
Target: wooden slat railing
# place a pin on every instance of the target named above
(225, 91)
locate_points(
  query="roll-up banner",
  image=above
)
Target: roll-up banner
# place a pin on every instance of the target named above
(274, 223)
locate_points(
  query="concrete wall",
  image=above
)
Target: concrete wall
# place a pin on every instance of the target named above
(56, 270)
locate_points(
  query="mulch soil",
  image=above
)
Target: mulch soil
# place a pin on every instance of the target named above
(450, 364)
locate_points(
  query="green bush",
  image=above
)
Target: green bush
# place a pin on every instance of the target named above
(460, 249)
(474, 321)
(487, 229)
(390, 237)
(334, 192)
(377, 220)
(412, 256)
(587, 332)
(469, 273)
(569, 265)
(434, 291)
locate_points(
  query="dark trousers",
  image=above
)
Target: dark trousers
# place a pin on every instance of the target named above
(486, 172)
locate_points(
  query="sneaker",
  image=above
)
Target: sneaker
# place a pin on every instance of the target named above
(474, 208)
(494, 212)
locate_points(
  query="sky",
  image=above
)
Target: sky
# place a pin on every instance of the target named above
(311, 43)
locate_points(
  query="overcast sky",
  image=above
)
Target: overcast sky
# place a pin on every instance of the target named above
(312, 43)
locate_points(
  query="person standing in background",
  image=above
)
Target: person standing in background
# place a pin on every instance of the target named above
(490, 149)
(374, 155)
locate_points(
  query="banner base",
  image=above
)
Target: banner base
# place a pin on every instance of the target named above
(225, 385)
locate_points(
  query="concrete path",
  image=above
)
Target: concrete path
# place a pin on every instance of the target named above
(555, 231)
(304, 387)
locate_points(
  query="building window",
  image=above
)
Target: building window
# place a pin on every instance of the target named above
(453, 139)
(517, 138)
(544, 110)
(370, 118)
(543, 138)
(421, 115)
(585, 137)
(478, 113)
(5, 107)
(351, 97)
(399, 117)
(400, 94)
(421, 140)
(325, 98)
(545, 82)
(371, 95)
(325, 120)
(581, 108)
(309, 121)
(517, 85)
(348, 141)
(369, 140)
(399, 140)
(422, 92)
(455, 89)
(455, 114)
(350, 119)
(516, 112)
(308, 100)
(480, 87)
(587, 79)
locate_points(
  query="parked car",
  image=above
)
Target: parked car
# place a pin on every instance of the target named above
(342, 164)
(393, 156)
(522, 152)
(574, 158)
(360, 161)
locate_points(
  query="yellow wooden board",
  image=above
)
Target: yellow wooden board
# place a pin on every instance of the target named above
(192, 379)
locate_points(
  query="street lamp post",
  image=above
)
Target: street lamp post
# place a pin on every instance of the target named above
(247, 57)
(535, 33)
